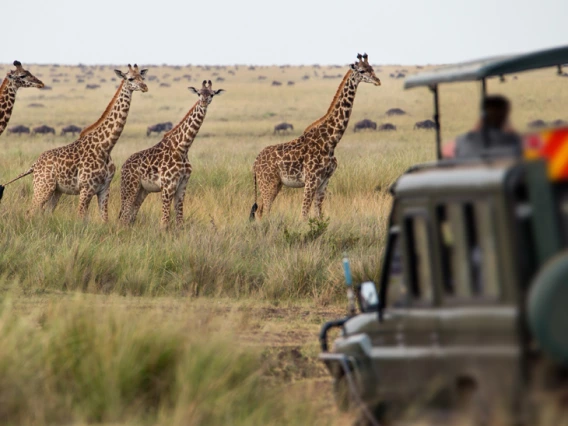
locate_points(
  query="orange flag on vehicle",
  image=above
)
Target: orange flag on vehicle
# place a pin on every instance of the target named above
(552, 145)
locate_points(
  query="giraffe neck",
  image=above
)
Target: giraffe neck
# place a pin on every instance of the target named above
(7, 99)
(333, 124)
(109, 127)
(181, 137)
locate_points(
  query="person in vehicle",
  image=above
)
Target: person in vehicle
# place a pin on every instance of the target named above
(492, 137)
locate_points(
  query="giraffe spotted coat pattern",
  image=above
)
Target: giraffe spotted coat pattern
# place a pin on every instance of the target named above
(85, 167)
(14, 80)
(164, 167)
(309, 161)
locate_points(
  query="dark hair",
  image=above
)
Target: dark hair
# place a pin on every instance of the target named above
(495, 109)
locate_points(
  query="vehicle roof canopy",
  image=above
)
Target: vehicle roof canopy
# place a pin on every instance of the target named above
(456, 179)
(489, 67)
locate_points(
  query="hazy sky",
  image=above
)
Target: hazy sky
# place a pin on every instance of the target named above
(268, 32)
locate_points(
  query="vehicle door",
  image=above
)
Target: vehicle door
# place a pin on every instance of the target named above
(477, 319)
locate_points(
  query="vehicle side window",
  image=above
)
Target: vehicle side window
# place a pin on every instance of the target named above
(468, 247)
(419, 262)
(397, 295)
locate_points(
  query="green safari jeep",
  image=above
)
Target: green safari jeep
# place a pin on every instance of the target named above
(472, 303)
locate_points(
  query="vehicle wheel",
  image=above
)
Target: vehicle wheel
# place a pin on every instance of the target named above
(546, 308)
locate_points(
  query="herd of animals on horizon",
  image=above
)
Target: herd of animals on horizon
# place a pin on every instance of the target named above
(85, 167)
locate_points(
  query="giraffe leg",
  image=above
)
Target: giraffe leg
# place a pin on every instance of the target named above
(44, 189)
(52, 203)
(140, 197)
(268, 195)
(320, 195)
(129, 188)
(85, 197)
(167, 197)
(178, 200)
(102, 198)
(309, 194)
(103, 195)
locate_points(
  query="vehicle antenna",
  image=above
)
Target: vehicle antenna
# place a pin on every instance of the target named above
(349, 282)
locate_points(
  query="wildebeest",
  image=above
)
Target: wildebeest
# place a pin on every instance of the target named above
(159, 128)
(18, 130)
(365, 124)
(291, 83)
(559, 122)
(92, 86)
(283, 127)
(276, 83)
(395, 111)
(535, 124)
(426, 124)
(71, 129)
(386, 127)
(43, 130)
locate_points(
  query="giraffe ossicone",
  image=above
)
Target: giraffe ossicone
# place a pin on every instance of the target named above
(309, 160)
(164, 167)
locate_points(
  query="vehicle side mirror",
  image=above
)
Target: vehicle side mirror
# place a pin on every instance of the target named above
(368, 297)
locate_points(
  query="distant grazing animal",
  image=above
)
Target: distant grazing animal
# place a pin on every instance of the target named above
(290, 83)
(71, 129)
(283, 127)
(159, 128)
(43, 130)
(164, 85)
(18, 130)
(535, 124)
(426, 124)
(276, 83)
(364, 124)
(400, 75)
(85, 167)
(164, 167)
(309, 161)
(387, 127)
(559, 122)
(14, 80)
(395, 111)
(36, 105)
(92, 86)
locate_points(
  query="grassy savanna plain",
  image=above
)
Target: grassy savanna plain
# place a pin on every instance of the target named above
(214, 322)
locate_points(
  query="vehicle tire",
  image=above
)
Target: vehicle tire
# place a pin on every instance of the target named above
(546, 308)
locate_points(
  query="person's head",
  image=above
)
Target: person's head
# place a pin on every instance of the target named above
(495, 109)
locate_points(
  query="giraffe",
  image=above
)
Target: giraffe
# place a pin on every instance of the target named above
(14, 80)
(308, 161)
(85, 167)
(164, 167)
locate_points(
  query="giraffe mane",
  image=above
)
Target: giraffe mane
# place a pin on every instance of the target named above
(93, 126)
(4, 84)
(181, 122)
(330, 109)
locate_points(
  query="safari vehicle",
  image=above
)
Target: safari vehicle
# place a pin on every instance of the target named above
(472, 302)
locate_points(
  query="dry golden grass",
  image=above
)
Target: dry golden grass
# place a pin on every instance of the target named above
(281, 265)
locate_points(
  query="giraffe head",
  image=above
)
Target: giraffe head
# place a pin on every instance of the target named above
(364, 71)
(134, 78)
(206, 93)
(23, 78)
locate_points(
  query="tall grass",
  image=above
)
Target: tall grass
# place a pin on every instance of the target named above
(76, 362)
(218, 252)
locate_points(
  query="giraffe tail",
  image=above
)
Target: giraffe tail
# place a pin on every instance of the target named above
(29, 172)
(255, 205)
